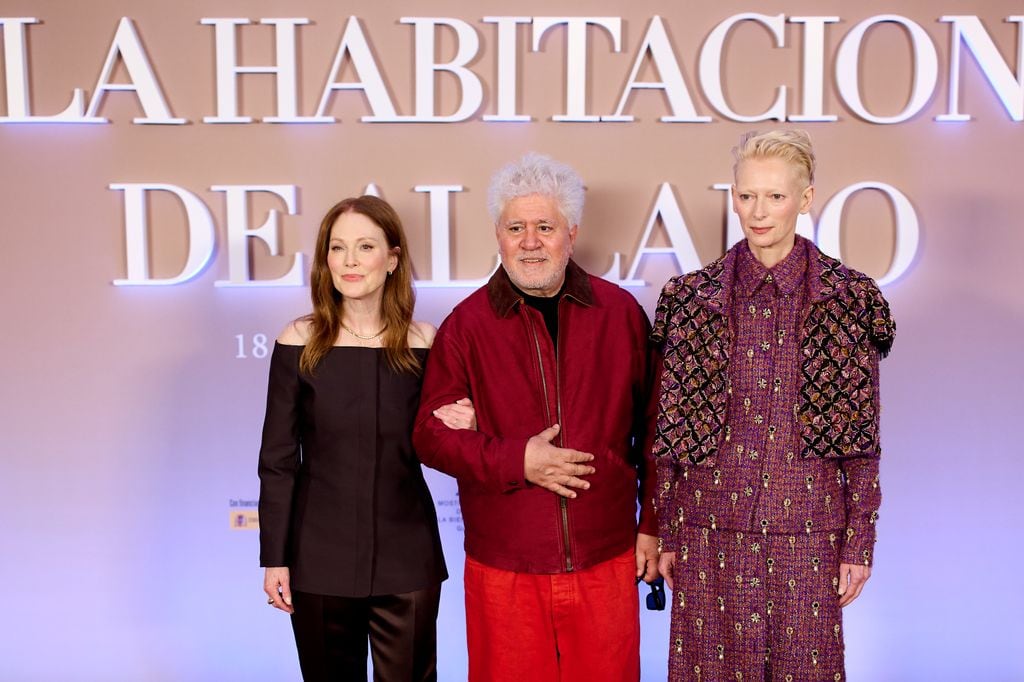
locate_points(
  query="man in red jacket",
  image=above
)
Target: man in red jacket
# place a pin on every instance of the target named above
(557, 366)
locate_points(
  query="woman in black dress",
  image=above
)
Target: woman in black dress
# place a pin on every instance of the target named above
(348, 532)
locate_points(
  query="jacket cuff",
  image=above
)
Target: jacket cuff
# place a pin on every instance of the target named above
(270, 562)
(648, 524)
(668, 535)
(859, 547)
(665, 503)
(511, 471)
(863, 498)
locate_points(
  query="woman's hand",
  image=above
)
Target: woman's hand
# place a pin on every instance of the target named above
(277, 585)
(458, 415)
(851, 581)
(666, 564)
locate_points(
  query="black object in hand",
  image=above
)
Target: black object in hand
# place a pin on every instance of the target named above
(656, 599)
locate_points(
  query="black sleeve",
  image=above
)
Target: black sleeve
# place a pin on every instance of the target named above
(279, 454)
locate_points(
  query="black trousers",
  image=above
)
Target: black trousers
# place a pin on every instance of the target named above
(331, 636)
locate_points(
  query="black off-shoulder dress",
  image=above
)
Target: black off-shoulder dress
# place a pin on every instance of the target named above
(343, 502)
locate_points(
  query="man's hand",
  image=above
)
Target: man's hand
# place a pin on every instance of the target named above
(646, 557)
(277, 585)
(554, 468)
(458, 415)
(666, 566)
(851, 581)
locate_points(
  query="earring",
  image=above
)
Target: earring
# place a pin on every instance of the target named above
(389, 273)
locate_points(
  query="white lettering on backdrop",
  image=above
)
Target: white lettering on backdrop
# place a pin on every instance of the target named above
(666, 211)
(967, 32)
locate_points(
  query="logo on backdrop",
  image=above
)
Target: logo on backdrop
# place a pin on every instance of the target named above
(449, 513)
(242, 514)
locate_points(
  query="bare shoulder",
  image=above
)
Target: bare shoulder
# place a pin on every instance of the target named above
(295, 334)
(421, 334)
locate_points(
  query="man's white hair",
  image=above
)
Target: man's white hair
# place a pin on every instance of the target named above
(537, 174)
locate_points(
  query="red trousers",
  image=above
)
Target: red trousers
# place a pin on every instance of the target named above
(524, 627)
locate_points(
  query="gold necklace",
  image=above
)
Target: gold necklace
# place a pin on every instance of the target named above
(360, 336)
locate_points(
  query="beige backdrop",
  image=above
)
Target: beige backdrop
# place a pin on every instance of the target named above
(131, 426)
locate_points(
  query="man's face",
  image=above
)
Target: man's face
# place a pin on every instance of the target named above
(535, 242)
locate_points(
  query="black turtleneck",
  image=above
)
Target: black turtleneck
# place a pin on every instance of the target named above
(546, 306)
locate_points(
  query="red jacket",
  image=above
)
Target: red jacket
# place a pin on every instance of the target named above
(496, 350)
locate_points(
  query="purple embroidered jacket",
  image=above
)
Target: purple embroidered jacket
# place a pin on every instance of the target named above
(768, 413)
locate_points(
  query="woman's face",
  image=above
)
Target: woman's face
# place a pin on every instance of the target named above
(768, 196)
(358, 256)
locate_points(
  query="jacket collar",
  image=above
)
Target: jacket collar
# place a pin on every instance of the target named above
(503, 297)
(786, 276)
(825, 277)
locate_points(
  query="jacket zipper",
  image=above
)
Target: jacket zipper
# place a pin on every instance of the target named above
(562, 503)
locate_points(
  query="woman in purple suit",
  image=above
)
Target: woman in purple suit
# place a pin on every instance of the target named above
(767, 440)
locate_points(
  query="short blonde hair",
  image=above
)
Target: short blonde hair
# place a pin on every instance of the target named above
(793, 146)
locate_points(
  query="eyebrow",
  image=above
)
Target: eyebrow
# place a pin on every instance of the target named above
(521, 221)
(358, 239)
